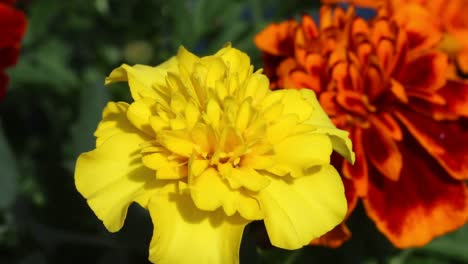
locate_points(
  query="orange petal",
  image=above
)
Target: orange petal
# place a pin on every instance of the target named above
(354, 102)
(423, 204)
(334, 238)
(358, 172)
(455, 96)
(277, 38)
(446, 141)
(425, 72)
(329, 104)
(386, 122)
(300, 79)
(462, 61)
(420, 25)
(382, 151)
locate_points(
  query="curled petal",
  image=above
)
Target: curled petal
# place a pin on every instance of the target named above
(322, 124)
(302, 209)
(141, 78)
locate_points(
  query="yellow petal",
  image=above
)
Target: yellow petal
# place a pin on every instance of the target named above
(112, 176)
(319, 119)
(186, 59)
(177, 142)
(295, 103)
(209, 191)
(164, 167)
(141, 78)
(256, 88)
(184, 234)
(213, 113)
(114, 121)
(249, 178)
(295, 154)
(139, 114)
(236, 60)
(215, 70)
(300, 210)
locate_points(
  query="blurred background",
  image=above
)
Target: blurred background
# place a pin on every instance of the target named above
(54, 103)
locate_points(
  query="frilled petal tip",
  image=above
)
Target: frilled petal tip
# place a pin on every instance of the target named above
(423, 204)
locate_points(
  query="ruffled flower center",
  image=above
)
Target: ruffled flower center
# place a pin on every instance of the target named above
(215, 128)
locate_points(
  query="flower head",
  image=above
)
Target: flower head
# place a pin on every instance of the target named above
(208, 148)
(11, 32)
(435, 21)
(389, 88)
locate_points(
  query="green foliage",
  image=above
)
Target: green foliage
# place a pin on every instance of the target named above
(54, 103)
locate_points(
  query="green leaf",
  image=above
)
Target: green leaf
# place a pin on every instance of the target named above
(9, 173)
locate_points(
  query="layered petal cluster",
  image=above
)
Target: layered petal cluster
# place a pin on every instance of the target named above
(207, 147)
(444, 20)
(12, 28)
(388, 87)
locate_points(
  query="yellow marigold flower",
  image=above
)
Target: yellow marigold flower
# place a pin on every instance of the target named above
(207, 148)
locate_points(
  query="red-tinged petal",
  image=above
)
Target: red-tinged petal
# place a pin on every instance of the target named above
(329, 104)
(420, 26)
(309, 27)
(428, 96)
(462, 61)
(426, 72)
(334, 238)
(444, 140)
(277, 39)
(423, 204)
(373, 82)
(384, 121)
(354, 102)
(358, 172)
(382, 151)
(455, 94)
(315, 64)
(301, 79)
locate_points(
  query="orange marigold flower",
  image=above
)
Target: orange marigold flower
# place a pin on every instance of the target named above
(434, 19)
(387, 85)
